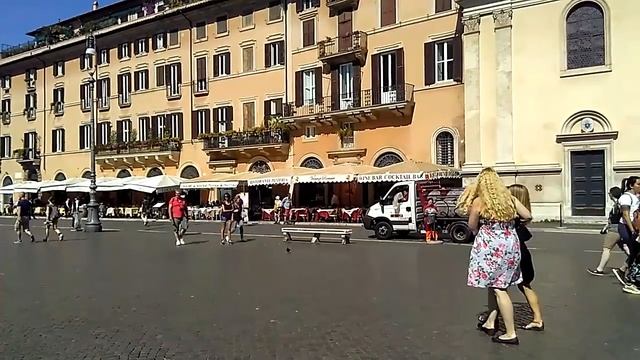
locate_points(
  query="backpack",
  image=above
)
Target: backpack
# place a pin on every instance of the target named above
(615, 214)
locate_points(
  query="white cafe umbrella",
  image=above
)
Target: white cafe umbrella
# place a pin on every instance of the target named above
(161, 184)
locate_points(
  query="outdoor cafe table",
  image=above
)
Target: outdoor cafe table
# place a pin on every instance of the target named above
(349, 213)
(325, 214)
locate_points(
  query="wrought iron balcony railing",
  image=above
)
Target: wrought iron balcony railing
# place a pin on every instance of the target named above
(139, 147)
(354, 43)
(245, 139)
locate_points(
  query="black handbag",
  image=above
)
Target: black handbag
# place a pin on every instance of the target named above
(523, 233)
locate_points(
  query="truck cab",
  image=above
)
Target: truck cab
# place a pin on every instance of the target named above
(406, 214)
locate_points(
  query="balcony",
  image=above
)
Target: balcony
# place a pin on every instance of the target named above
(103, 104)
(27, 156)
(174, 92)
(30, 113)
(6, 118)
(338, 5)
(249, 143)
(201, 87)
(124, 100)
(58, 108)
(139, 153)
(343, 49)
(371, 104)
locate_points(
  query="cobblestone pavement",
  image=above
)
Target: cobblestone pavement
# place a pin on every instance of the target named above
(129, 293)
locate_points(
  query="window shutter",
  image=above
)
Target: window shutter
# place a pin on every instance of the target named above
(229, 115)
(278, 107)
(179, 67)
(26, 141)
(267, 55)
(120, 83)
(375, 79)
(318, 84)
(160, 75)
(227, 64)
(316, 3)
(430, 63)
(335, 86)
(357, 86)
(216, 65)
(63, 140)
(119, 132)
(154, 43)
(400, 88)
(164, 40)
(136, 47)
(82, 139)
(180, 126)
(55, 69)
(61, 95)
(298, 6)
(387, 12)
(457, 58)
(154, 127)
(299, 89)
(267, 112)
(54, 141)
(26, 101)
(120, 55)
(207, 121)
(136, 80)
(194, 124)
(201, 68)
(281, 53)
(216, 121)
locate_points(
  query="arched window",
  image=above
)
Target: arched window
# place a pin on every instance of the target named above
(260, 167)
(585, 36)
(386, 159)
(154, 172)
(60, 177)
(7, 181)
(312, 163)
(86, 175)
(445, 149)
(189, 172)
(124, 173)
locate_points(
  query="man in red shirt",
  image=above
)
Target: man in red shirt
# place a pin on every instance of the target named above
(177, 213)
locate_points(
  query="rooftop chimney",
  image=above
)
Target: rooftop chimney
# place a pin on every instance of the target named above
(95, 5)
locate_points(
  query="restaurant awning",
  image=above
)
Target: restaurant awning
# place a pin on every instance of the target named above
(334, 174)
(160, 184)
(83, 185)
(59, 185)
(30, 187)
(408, 170)
(279, 176)
(212, 181)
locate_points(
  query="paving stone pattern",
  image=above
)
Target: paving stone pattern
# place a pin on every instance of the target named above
(131, 294)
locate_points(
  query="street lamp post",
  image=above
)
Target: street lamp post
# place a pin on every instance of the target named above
(93, 219)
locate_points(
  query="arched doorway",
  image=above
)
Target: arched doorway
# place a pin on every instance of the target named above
(260, 195)
(124, 173)
(154, 172)
(194, 196)
(86, 175)
(60, 177)
(381, 188)
(314, 194)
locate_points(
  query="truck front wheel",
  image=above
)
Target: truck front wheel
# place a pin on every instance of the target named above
(383, 230)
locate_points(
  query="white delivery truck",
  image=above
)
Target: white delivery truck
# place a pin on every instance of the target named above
(439, 196)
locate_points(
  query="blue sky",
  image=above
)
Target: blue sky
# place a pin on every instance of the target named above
(23, 16)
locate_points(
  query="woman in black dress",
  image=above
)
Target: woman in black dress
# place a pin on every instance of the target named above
(227, 217)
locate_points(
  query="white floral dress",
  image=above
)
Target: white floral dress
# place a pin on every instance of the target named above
(495, 256)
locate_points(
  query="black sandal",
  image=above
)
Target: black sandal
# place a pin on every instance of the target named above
(490, 332)
(514, 341)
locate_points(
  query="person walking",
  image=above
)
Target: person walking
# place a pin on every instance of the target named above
(238, 222)
(494, 262)
(24, 217)
(286, 209)
(628, 230)
(226, 217)
(75, 211)
(145, 209)
(53, 215)
(177, 212)
(610, 232)
(277, 208)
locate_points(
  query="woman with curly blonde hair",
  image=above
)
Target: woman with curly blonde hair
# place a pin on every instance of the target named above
(494, 262)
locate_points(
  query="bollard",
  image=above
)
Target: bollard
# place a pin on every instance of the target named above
(561, 223)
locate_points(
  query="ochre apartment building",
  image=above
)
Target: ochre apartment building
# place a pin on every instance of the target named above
(549, 99)
(191, 88)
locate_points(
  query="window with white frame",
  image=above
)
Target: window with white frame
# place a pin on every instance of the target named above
(58, 69)
(6, 106)
(142, 46)
(5, 82)
(201, 122)
(5, 146)
(86, 62)
(104, 57)
(309, 132)
(58, 100)
(175, 126)
(160, 127)
(247, 19)
(141, 82)
(104, 133)
(103, 93)
(444, 61)
(124, 89)
(30, 101)
(202, 80)
(30, 142)
(58, 141)
(307, 4)
(124, 131)
(85, 137)
(309, 85)
(201, 30)
(175, 78)
(222, 64)
(174, 38)
(123, 51)
(85, 97)
(221, 25)
(160, 41)
(144, 124)
(275, 10)
(445, 148)
(275, 54)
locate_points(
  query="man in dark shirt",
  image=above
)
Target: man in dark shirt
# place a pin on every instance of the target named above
(24, 216)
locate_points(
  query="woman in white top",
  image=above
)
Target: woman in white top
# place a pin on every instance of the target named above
(629, 204)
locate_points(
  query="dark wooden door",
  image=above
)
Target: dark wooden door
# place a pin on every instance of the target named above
(587, 183)
(345, 30)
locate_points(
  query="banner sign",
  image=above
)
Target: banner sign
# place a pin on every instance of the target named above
(391, 177)
(270, 181)
(210, 185)
(323, 178)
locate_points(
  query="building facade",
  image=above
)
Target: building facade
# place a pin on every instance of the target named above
(547, 99)
(194, 87)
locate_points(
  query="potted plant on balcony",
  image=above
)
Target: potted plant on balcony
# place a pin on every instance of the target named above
(18, 154)
(346, 135)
